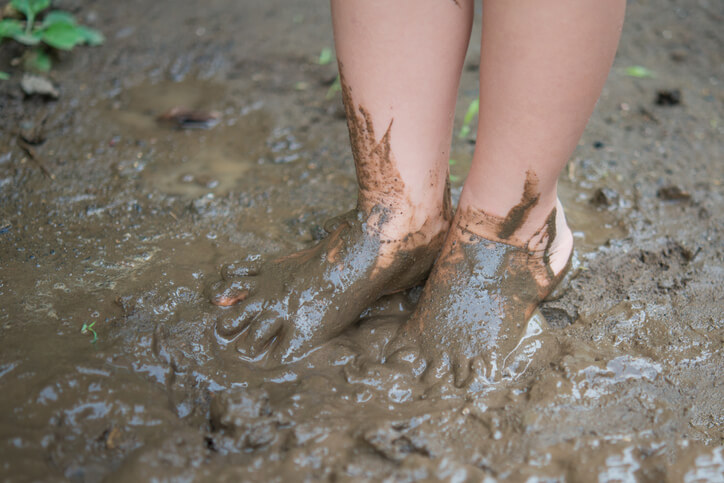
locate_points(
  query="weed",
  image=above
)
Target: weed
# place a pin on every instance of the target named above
(88, 328)
(57, 30)
(325, 56)
(470, 114)
(638, 71)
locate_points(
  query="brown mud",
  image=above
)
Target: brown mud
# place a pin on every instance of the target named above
(519, 213)
(120, 220)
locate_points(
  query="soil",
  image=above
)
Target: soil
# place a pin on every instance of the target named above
(112, 218)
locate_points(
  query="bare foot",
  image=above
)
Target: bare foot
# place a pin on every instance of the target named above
(286, 307)
(474, 310)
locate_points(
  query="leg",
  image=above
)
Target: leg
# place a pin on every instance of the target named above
(400, 65)
(543, 65)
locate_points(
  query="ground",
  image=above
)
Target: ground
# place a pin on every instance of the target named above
(115, 219)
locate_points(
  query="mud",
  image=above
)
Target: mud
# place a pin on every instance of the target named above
(134, 218)
(519, 213)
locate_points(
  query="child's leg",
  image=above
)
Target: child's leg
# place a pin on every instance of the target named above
(543, 65)
(400, 65)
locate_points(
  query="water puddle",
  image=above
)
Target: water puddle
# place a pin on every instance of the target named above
(197, 161)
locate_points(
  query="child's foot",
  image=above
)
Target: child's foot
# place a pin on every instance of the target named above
(288, 306)
(480, 295)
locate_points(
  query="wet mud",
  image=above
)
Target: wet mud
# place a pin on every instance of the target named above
(119, 222)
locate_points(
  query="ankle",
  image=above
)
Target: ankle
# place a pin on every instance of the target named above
(544, 232)
(397, 217)
(404, 225)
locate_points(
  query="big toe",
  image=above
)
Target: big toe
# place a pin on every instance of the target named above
(225, 293)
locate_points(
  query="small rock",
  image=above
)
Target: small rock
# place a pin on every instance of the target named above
(673, 193)
(318, 232)
(668, 97)
(239, 409)
(112, 440)
(678, 55)
(604, 197)
(36, 85)
(185, 118)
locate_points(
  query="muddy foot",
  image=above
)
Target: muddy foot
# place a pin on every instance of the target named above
(475, 314)
(282, 309)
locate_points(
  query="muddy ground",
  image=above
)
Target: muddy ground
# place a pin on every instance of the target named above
(127, 220)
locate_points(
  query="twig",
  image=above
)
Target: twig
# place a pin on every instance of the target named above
(32, 154)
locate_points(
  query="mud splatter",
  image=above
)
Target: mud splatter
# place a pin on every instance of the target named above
(519, 213)
(377, 174)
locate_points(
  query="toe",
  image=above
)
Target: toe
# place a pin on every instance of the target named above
(225, 293)
(482, 369)
(260, 336)
(408, 357)
(461, 372)
(239, 269)
(230, 326)
(438, 369)
(402, 340)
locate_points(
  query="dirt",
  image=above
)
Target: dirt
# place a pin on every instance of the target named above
(110, 218)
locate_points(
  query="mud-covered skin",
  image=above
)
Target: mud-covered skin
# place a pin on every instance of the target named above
(477, 302)
(292, 304)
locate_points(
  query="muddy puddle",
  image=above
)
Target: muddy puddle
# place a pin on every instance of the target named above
(192, 159)
(111, 364)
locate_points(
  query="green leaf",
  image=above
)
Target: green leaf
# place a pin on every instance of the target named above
(32, 38)
(638, 71)
(58, 16)
(62, 36)
(325, 56)
(10, 28)
(37, 60)
(4, 75)
(91, 36)
(30, 8)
